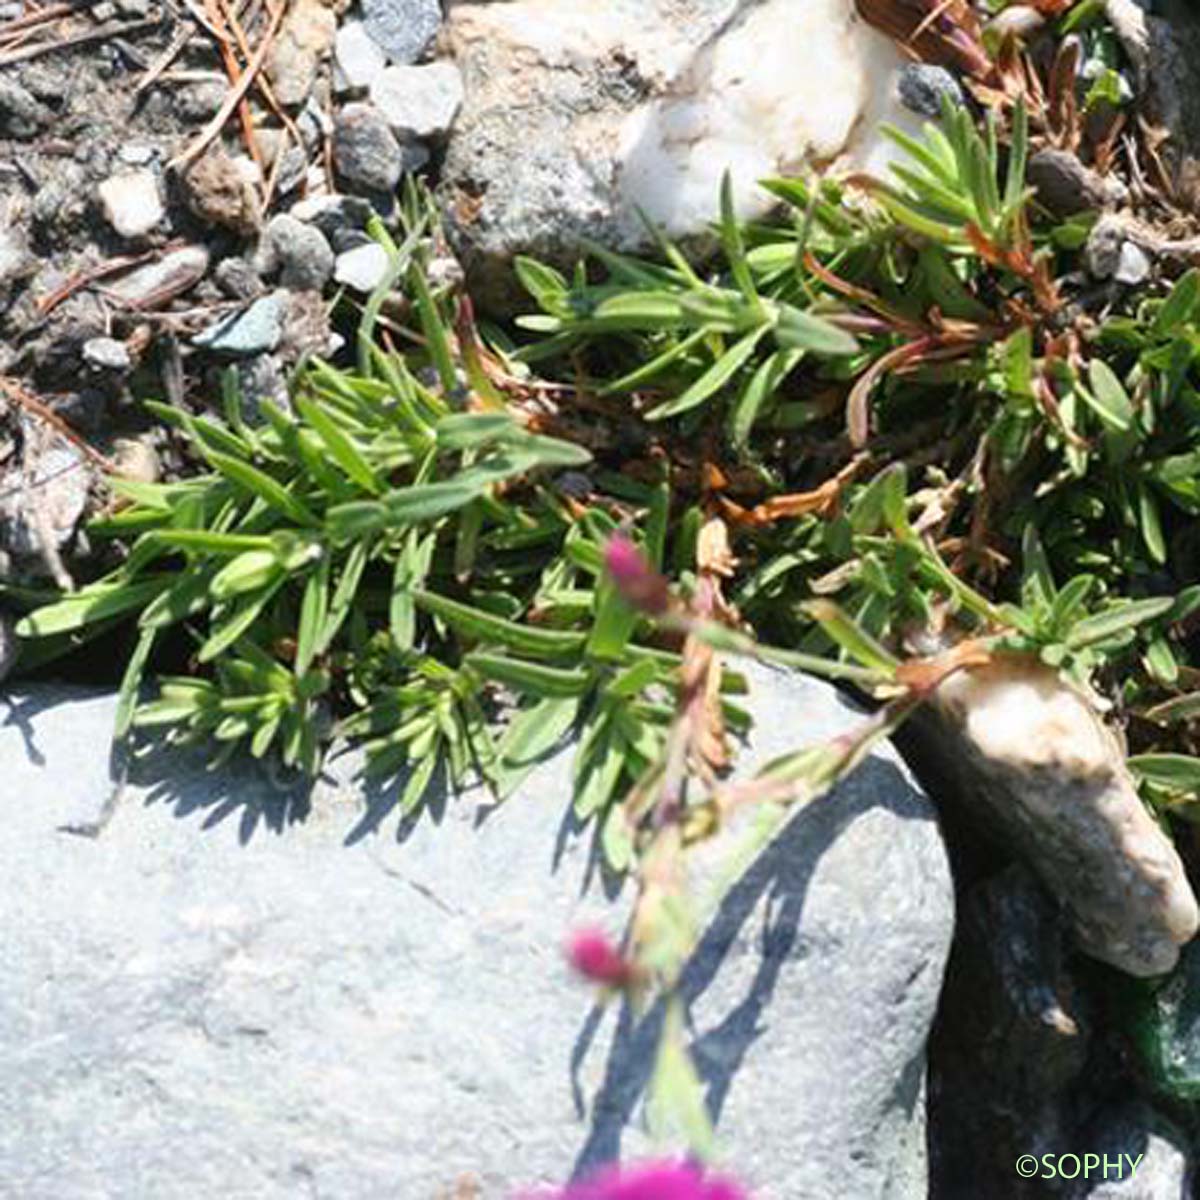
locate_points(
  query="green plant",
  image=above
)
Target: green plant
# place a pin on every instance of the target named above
(893, 415)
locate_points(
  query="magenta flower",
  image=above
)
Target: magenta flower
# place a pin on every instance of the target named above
(653, 1181)
(596, 958)
(640, 585)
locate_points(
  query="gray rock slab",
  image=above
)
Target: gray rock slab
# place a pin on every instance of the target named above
(237, 991)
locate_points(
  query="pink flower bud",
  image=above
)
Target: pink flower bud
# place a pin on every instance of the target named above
(596, 958)
(654, 1181)
(640, 585)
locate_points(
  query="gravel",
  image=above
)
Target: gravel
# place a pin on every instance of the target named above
(358, 57)
(402, 29)
(21, 114)
(297, 252)
(362, 268)
(923, 86)
(419, 102)
(365, 151)
(107, 354)
(131, 202)
(252, 331)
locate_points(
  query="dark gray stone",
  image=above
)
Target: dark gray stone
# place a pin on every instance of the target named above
(297, 252)
(1011, 1042)
(402, 29)
(923, 87)
(1065, 186)
(366, 153)
(236, 991)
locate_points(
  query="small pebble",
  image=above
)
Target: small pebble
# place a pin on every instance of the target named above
(922, 88)
(254, 330)
(21, 115)
(15, 255)
(199, 101)
(221, 190)
(131, 203)
(107, 354)
(402, 29)
(136, 154)
(261, 378)
(359, 59)
(1102, 252)
(365, 151)
(237, 278)
(419, 102)
(1065, 186)
(298, 252)
(304, 39)
(172, 275)
(137, 459)
(363, 268)
(1133, 266)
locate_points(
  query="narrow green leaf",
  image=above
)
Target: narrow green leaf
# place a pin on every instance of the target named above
(314, 607)
(344, 593)
(248, 572)
(483, 627)
(1037, 580)
(1116, 620)
(734, 246)
(93, 603)
(1150, 523)
(715, 378)
(1179, 307)
(758, 389)
(534, 679)
(536, 730)
(131, 681)
(432, 326)
(1107, 397)
(799, 330)
(237, 623)
(851, 636)
(340, 445)
(1174, 771)
(262, 485)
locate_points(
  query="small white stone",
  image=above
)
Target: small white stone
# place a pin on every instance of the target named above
(136, 154)
(1134, 265)
(362, 268)
(132, 205)
(358, 58)
(419, 101)
(106, 353)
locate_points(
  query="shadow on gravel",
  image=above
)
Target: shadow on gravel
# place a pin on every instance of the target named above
(782, 873)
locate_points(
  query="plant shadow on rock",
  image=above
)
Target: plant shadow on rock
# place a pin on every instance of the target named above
(778, 883)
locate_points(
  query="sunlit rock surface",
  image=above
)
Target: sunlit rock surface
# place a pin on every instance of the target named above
(578, 114)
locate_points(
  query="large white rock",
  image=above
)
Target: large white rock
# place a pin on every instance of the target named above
(576, 115)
